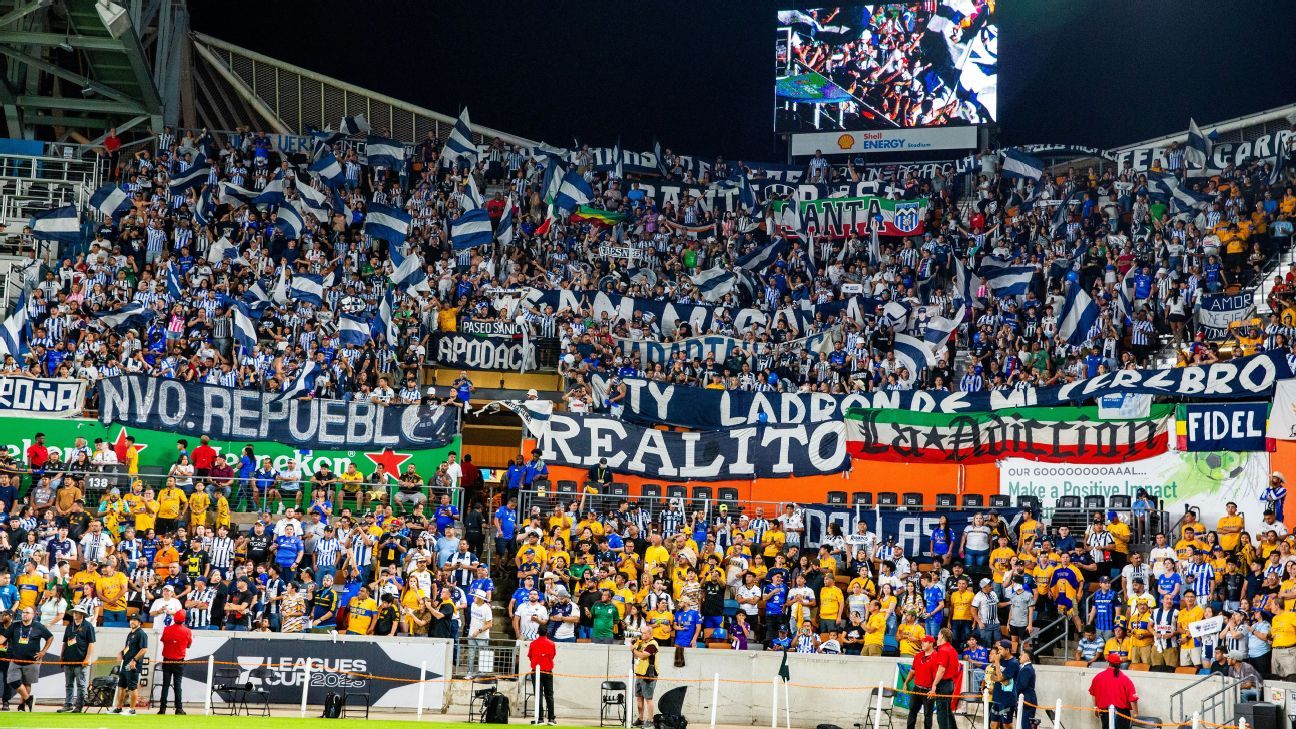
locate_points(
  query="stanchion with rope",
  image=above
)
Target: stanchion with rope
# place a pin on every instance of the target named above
(715, 699)
(211, 672)
(306, 672)
(418, 715)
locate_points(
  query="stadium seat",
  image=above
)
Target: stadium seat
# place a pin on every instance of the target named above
(1000, 501)
(1095, 501)
(862, 498)
(566, 487)
(702, 499)
(912, 498)
(1029, 502)
(1119, 501)
(1070, 501)
(946, 501)
(675, 491)
(541, 485)
(728, 495)
(650, 491)
(973, 501)
(1187, 670)
(1077, 664)
(617, 488)
(837, 497)
(888, 498)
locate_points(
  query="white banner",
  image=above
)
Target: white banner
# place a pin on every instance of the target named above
(1282, 416)
(611, 251)
(1204, 479)
(41, 398)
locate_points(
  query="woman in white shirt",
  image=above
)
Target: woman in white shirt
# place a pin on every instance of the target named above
(52, 608)
(183, 472)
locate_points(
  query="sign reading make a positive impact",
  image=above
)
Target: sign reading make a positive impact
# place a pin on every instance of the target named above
(1238, 426)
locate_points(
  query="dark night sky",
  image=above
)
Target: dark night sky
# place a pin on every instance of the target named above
(698, 75)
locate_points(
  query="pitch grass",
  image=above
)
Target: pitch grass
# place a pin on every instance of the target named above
(52, 720)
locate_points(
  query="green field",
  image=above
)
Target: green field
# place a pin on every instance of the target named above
(51, 720)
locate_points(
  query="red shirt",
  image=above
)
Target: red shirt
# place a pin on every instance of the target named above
(541, 653)
(176, 639)
(37, 455)
(203, 456)
(1109, 689)
(924, 669)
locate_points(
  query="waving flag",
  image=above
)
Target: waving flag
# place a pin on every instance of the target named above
(223, 250)
(471, 198)
(555, 171)
(195, 176)
(312, 202)
(746, 195)
(110, 200)
(915, 354)
(939, 329)
(307, 287)
(203, 208)
(174, 287)
(1198, 148)
(329, 169)
(1168, 187)
(407, 270)
(1062, 213)
(353, 329)
(231, 194)
(303, 383)
(271, 195)
(353, 125)
(383, 152)
(385, 310)
(132, 313)
(763, 256)
(898, 315)
(504, 231)
(57, 224)
(1005, 279)
(257, 300)
(471, 229)
(1019, 164)
(460, 143)
(1079, 312)
(573, 192)
(289, 221)
(13, 333)
(387, 223)
(1126, 293)
(714, 283)
(245, 334)
(965, 286)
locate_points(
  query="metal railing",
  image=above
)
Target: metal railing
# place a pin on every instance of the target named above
(1216, 707)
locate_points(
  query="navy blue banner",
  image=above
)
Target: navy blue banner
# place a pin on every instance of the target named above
(1235, 426)
(224, 413)
(910, 529)
(652, 403)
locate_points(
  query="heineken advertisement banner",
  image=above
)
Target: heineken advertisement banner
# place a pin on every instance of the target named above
(840, 217)
(1045, 434)
(1205, 479)
(225, 413)
(159, 449)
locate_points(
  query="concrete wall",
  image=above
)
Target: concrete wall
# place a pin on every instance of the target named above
(823, 689)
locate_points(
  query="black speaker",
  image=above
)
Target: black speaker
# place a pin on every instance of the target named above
(1260, 715)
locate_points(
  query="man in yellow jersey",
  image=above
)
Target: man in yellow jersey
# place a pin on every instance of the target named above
(361, 611)
(111, 588)
(1230, 527)
(1119, 644)
(874, 630)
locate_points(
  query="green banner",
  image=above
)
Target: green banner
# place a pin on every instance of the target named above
(158, 449)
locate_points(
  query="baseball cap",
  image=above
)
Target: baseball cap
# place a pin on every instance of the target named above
(480, 594)
(928, 639)
(985, 581)
(1114, 659)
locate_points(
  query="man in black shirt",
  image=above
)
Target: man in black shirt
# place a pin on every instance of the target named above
(388, 616)
(132, 656)
(26, 638)
(196, 560)
(258, 547)
(78, 648)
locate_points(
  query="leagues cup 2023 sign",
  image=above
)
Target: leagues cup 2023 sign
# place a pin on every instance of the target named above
(242, 415)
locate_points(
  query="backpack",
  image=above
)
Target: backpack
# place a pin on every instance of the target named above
(333, 705)
(496, 710)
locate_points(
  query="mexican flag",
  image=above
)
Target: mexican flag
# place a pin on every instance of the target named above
(1059, 434)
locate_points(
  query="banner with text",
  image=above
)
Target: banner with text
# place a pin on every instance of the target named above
(36, 397)
(752, 452)
(1233, 426)
(225, 413)
(1206, 480)
(910, 530)
(482, 353)
(1217, 311)
(687, 406)
(1047, 434)
(842, 217)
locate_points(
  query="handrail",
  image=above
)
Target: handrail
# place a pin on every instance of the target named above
(1212, 702)
(1064, 636)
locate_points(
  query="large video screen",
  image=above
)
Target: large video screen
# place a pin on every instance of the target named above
(886, 66)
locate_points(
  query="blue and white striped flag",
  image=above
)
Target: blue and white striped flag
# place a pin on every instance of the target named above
(312, 202)
(746, 195)
(386, 319)
(939, 329)
(303, 383)
(504, 231)
(353, 329)
(1169, 187)
(383, 152)
(1126, 293)
(1198, 149)
(965, 286)
(714, 283)
(134, 312)
(13, 333)
(1017, 163)
(353, 125)
(471, 229)
(387, 223)
(915, 354)
(1005, 279)
(470, 198)
(231, 194)
(329, 169)
(898, 315)
(573, 192)
(110, 200)
(460, 143)
(554, 172)
(245, 332)
(203, 209)
(223, 250)
(175, 286)
(289, 221)
(271, 194)
(1062, 213)
(196, 175)
(257, 300)
(58, 224)
(307, 287)
(407, 268)
(1079, 312)
(763, 256)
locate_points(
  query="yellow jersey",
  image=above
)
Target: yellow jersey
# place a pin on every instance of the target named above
(112, 590)
(910, 637)
(1283, 630)
(1229, 541)
(360, 616)
(169, 503)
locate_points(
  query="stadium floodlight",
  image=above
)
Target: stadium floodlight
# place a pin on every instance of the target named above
(114, 18)
(65, 45)
(88, 91)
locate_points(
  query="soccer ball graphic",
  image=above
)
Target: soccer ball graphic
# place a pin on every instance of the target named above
(1219, 465)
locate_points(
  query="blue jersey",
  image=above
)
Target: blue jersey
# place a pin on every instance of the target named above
(932, 597)
(508, 521)
(1167, 583)
(775, 599)
(1104, 602)
(979, 656)
(940, 543)
(688, 621)
(287, 549)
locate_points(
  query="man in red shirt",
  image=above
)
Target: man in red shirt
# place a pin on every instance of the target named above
(948, 678)
(203, 457)
(923, 673)
(37, 455)
(541, 654)
(1113, 688)
(176, 639)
